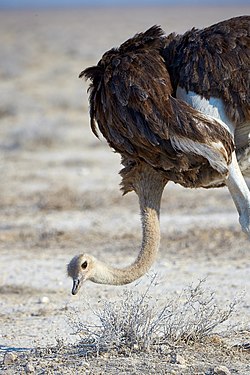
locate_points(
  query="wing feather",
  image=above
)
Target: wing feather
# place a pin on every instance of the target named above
(214, 61)
(131, 102)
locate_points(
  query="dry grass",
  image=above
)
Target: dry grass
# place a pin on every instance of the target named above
(139, 321)
(139, 333)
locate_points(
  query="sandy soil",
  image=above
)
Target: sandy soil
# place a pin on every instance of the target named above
(60, 196)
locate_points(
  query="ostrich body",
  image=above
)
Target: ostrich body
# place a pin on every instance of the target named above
(177, 109)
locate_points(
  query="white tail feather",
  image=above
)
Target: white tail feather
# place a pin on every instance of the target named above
(215, 153)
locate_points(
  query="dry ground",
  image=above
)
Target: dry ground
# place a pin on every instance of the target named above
(60, 196)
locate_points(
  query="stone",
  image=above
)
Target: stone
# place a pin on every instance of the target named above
(9, 358)
(29, 368)
(221, 370)
(179, 360)
(44, 299)
(85, 364)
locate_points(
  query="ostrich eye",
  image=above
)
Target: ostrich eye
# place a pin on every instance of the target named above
(84, 265)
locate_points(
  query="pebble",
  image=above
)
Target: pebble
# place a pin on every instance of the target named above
(29, 368)
(44, 299)
(85, 364)
(221, 370)
(9, 358)
(177, 359)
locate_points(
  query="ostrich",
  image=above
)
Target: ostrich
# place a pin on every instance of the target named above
(177, 109)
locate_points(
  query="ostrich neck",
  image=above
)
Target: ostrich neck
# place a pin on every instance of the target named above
(149, 188)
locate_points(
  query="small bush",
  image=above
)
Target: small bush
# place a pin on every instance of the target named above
(137, 321)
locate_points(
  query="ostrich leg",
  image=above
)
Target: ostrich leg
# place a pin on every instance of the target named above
(240, 194)
(236, 184)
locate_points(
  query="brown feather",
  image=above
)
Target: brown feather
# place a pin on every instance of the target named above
(214, 62)
(132, 103)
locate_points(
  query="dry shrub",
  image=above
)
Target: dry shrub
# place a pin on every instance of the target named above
(138, 321)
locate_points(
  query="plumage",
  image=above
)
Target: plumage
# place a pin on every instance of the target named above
(132, 103)
(214, 62)
(176, 108)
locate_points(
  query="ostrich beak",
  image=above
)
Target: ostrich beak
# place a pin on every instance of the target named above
(76, 286)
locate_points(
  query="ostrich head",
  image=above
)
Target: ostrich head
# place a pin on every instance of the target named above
(80, 269)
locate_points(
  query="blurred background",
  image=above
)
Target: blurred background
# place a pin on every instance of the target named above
(59, 185)
(68, 3)
(54, 172)
(55, 175)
